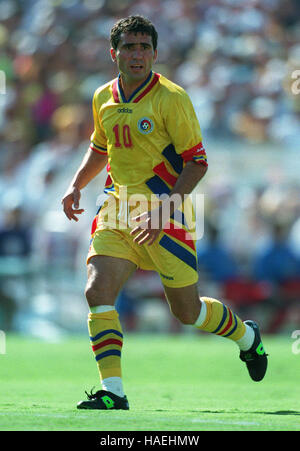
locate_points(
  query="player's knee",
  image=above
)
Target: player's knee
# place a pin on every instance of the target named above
(97, 293)
(93, 294)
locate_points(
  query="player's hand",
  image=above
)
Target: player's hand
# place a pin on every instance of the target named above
(71, 199)
(149, 225)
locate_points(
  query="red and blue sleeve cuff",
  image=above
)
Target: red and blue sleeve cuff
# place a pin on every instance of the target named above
(98, 149)
(196, 154)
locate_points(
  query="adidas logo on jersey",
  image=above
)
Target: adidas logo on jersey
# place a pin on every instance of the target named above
(124, 110)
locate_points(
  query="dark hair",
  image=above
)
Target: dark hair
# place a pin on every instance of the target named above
(132, 24)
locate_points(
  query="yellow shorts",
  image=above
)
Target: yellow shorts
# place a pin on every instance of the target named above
(173, 255)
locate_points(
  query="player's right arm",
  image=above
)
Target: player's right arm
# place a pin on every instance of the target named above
(92, 163)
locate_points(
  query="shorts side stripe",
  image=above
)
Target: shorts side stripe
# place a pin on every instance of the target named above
(180, 234)
(179, 251)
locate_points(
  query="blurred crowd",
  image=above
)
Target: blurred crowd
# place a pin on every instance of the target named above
(234, 57)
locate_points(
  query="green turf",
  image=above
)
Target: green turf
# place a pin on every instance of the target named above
(173, 383)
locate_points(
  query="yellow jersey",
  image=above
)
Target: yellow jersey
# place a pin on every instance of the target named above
(147, 138)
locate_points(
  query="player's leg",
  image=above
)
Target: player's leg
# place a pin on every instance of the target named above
(206, 313)
(106, 277)
(184, 303)
(211, 315)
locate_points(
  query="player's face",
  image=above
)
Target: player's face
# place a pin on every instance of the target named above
(134, 56)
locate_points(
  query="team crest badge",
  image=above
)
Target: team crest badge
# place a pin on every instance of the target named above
(145, 125)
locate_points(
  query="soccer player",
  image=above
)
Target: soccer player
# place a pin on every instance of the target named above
(147, 135)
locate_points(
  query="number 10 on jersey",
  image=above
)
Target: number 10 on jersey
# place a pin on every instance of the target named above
(122, 136)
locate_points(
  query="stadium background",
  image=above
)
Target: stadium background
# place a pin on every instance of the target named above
(236, 59)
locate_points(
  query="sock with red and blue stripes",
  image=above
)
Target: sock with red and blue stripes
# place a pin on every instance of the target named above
(106, 338)
(217, 318)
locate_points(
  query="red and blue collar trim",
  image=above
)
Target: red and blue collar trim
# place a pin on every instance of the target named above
(139, 93)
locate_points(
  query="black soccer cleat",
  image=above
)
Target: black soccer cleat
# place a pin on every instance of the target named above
(103, 400)
(256, 357)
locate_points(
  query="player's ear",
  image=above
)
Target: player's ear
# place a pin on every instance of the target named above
(113, 54)
(155, 56)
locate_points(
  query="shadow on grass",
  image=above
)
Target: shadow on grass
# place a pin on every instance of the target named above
(280, 412)
(276, 412)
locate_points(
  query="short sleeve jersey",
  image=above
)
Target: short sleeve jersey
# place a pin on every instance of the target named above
(148, 138)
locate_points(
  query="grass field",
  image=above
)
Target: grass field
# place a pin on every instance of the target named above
(173, 383)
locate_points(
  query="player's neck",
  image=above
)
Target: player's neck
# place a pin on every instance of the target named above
(129, 85)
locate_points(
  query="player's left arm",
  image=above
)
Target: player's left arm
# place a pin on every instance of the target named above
(189, 178)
